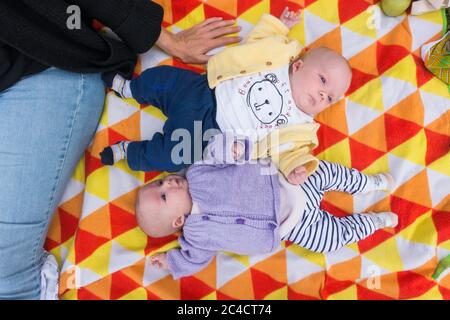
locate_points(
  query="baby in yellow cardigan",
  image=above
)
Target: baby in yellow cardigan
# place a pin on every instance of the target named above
(263, 85)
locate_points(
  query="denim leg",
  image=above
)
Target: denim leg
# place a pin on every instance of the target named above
(47, 120)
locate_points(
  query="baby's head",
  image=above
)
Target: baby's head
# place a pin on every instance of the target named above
(319, 78)
(162, 205)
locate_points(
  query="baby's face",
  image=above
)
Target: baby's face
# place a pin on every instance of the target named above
(318, 80)
(161, 203)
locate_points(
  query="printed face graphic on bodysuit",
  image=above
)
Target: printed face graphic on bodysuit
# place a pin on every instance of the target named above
(265, 100)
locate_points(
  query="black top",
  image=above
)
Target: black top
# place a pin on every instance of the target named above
(34, 35)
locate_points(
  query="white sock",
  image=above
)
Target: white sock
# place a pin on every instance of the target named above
(121, 86)
(384, 219)
(120, 150)
(381, 181)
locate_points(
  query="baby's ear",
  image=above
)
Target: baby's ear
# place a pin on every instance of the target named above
(297, 64)
(178, 222)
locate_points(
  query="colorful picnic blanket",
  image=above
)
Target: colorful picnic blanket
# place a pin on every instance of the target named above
(395, 117)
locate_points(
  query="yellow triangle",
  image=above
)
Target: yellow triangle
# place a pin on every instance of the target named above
(134, 240)
(380, 165)
(154, 112)
(441, 165)
(339, 153)
(327, 10)
(386, 255)
(432, 294)
(433, 16)
(104, 118)
(298, 31)
(374, 99)
(253, 14)
(98, 261)
(445, 245)
(348, 294)
(435, 86)
(195, 16)
(314, 257)
(171, 245)
(136, 294)
(245, 260)
(70, 295)
(98, 183)
(70, 250)
(404, 70)
(211, 296)
(359, 24)
(422, 230)
(79, 172)
(413, 149)
(279, 294)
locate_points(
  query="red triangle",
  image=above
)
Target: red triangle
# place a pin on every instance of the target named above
(438, 145)
(84, 294)
(407, 211)
(221, 296)
(332, 286)
(398, 130)
(263, 284)
(50, 244)
(363, 155)
(292, 295)
(412, 285)
(277, 7)
(152, 296)
(327, 137)
(441, 221)
(445, 292)
(387, 56)
(359, 79)
(121, 285)
(350, 8)
(114, 137)
(121, 220)
(91, 163)
(179, 64)
(211, 12)
(181, 8)
(156, 243)
(244, 5)
(69, 225)
(325, 205)
(366, 294)
(193, 289)
(85, 244)
(374, 240)
(422, 73)
(148, 176)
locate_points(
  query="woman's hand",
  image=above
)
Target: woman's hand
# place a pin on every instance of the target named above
(191, 45)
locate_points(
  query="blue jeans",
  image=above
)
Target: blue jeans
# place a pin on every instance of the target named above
(46, 122)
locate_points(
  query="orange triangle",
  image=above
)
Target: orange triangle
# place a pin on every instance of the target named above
(129, 127)
(410, 108)
(373, 134)
(399, 36)
(341, 200)
(229, 7)
(167, 5)
(366, 60)
(240, 287)
(331, 40)
(136, 271)
(101, 288)
(101, 140)
(388, 285)
(348, 270)
(381, 206)
(311, 285)
(275, 266)
(54, 231)
(428, 268)
(166, 288)
(127, 201)
(441, 124)
(74, 205)
(409, 190)
(208, 274)
(97, 223)
(334, 117)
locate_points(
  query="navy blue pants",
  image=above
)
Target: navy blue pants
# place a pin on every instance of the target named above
(190, 106)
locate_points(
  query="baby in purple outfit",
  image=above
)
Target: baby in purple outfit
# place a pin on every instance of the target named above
(234, 206)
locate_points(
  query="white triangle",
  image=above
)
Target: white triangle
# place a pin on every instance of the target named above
(434, 106)
(422, 31)
(91, 203)
(439, 186)
(394, 91)
(414, 254)
(315, 27)
(152, 57)
(73, 188)
(120, 183)
(149, 125)
(353, 43)
(299, 268)
(87, 277)
(384, 23)
(442, 253)
(363, 201)
(152, 273)
(118, 109)
(402, 170)
(358, 116)
(121, 257)
(254, 259)
(338, 256)
(369, 269)
(227, 268)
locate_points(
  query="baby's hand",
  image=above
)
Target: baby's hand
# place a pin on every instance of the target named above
(159, 261)
(298, 175)
(290, 18)
(237, 150)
